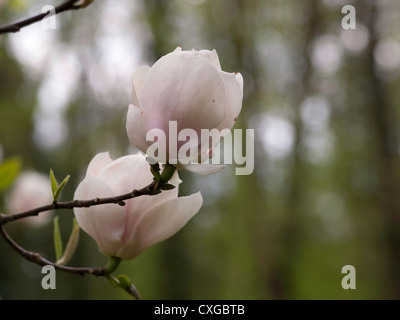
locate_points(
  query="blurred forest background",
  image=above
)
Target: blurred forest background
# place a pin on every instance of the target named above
(324, 106)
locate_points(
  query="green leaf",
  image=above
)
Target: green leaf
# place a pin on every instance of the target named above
(167, 187)
(58, 246)
(61, 187)
(113, 281)
(154, 169)
(54, 184)
(71, 245)
(124, 281)
(113, 264)
(9, 170)
(55, 187)
(167, 173)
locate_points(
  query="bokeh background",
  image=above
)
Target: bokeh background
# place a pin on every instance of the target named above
(323, 102)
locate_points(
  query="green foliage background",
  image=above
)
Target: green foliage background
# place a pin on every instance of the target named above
(321, 196)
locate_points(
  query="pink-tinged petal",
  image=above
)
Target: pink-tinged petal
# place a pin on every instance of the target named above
(203, 169)
(133, 172)
(239, 79)
(183, 87)
(137, 81)
(99, 161)
(178, 49)
(211, 57)
(127, 173)
(136, 130)
(211, 142)
(30, 190)
(104, 223)
(234, 95)
(160, 223)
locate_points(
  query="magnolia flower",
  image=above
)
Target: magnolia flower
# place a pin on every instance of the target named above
(31, 190)
(190, 88)
(125, 232)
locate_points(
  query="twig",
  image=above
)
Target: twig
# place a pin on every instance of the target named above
(38, 259)
(17, 26)
(152, 189)
(148, 190)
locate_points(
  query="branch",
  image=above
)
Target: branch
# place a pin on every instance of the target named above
(66, 6)
(34, 257)
(155, 187)
(151, 189)
(38, 259)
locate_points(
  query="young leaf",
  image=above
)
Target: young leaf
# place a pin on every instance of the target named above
(9, 170)
(167, 187)
(154, 169)
(58, 246)
(61, 187)
(113, 264)
(54, 184)
(124, 281)
(113, 281)
(71, 245)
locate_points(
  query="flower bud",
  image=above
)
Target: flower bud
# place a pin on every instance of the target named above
(31, 190)
(190, 89)
(126, 231)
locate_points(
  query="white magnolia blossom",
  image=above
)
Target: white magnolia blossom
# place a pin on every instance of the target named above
(190, 88)
(126, 231)
(31, 190)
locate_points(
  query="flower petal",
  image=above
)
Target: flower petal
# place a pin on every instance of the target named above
(183, 87)
(99, 161)
(137, 81)
(239, 79)
(127, 173)
(104, 223)
(133, 172)
(211, 57)
(160, 223)
(31, 189)
(234, 94)
(135, 129)
(203, 169)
